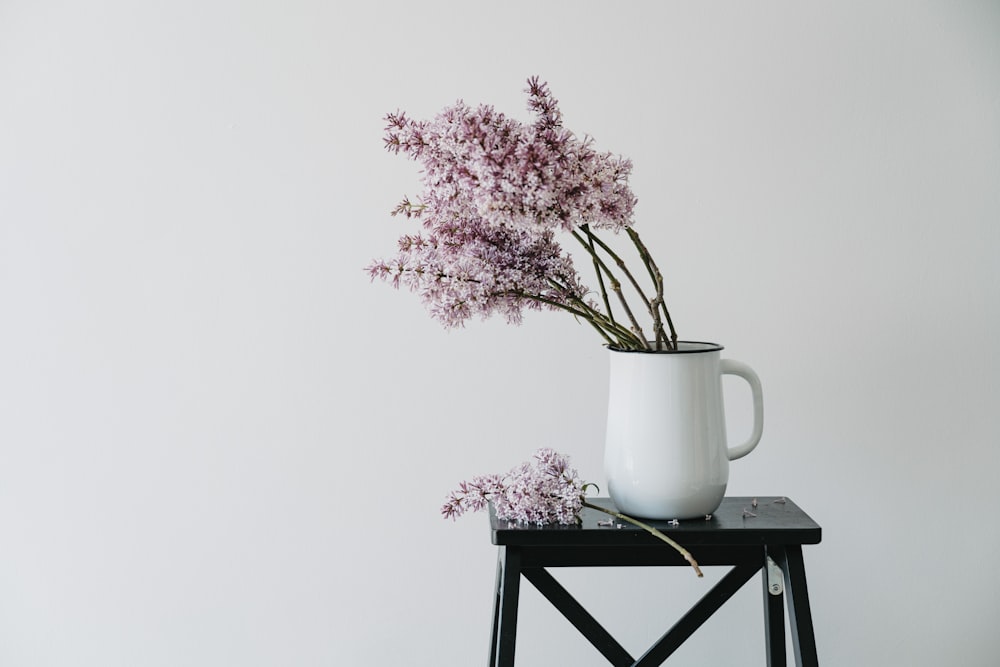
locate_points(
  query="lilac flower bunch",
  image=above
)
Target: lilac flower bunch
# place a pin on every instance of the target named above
(543, 491)
(496, 194)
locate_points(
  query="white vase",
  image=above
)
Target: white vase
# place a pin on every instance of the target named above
(666, 454)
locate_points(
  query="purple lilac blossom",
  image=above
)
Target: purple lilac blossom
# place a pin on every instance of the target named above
(496, 191)
(545, 491)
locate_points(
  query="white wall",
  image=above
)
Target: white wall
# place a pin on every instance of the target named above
(220, 445)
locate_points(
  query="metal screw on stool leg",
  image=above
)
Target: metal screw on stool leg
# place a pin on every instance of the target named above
(775, 578)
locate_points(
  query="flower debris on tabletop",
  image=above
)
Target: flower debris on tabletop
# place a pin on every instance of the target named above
(542, 492)
(496, 194)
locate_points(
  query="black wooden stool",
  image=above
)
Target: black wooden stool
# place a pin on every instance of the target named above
(752, 535)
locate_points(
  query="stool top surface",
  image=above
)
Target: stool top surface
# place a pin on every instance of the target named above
(774, 520)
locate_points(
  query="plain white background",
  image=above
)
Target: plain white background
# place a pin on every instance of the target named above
(221, 445)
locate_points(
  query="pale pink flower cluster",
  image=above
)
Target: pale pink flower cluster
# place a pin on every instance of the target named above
(495, 193)
(474, 268)
(544, 491)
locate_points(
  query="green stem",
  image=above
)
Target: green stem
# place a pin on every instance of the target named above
(613, 333)
(653, 531)
(616, 287)
(597, 271)
(607, 328)
(657, 276)
(618, 261)
(606, 321)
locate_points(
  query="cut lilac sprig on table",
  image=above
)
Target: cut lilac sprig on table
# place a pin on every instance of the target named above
(496, 194)
(541, 492)
(544, 491)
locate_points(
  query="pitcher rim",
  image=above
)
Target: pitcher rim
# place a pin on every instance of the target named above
(704, 347)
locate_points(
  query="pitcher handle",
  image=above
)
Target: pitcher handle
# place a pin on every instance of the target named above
(733, 367)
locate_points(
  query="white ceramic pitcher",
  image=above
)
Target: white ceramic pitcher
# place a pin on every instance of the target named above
(666, 454)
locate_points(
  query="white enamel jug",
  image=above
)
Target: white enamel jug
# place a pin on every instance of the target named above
(666, 455)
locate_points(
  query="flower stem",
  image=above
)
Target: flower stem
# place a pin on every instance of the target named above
(597, 271)
(652, 531)
(605, 326)
(616, 287)
(657, 276)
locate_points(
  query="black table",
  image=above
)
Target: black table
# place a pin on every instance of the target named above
(751, 535)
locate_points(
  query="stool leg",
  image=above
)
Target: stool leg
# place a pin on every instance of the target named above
(774, 619)
(505, 607)
(799, 614)
(498, 587)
